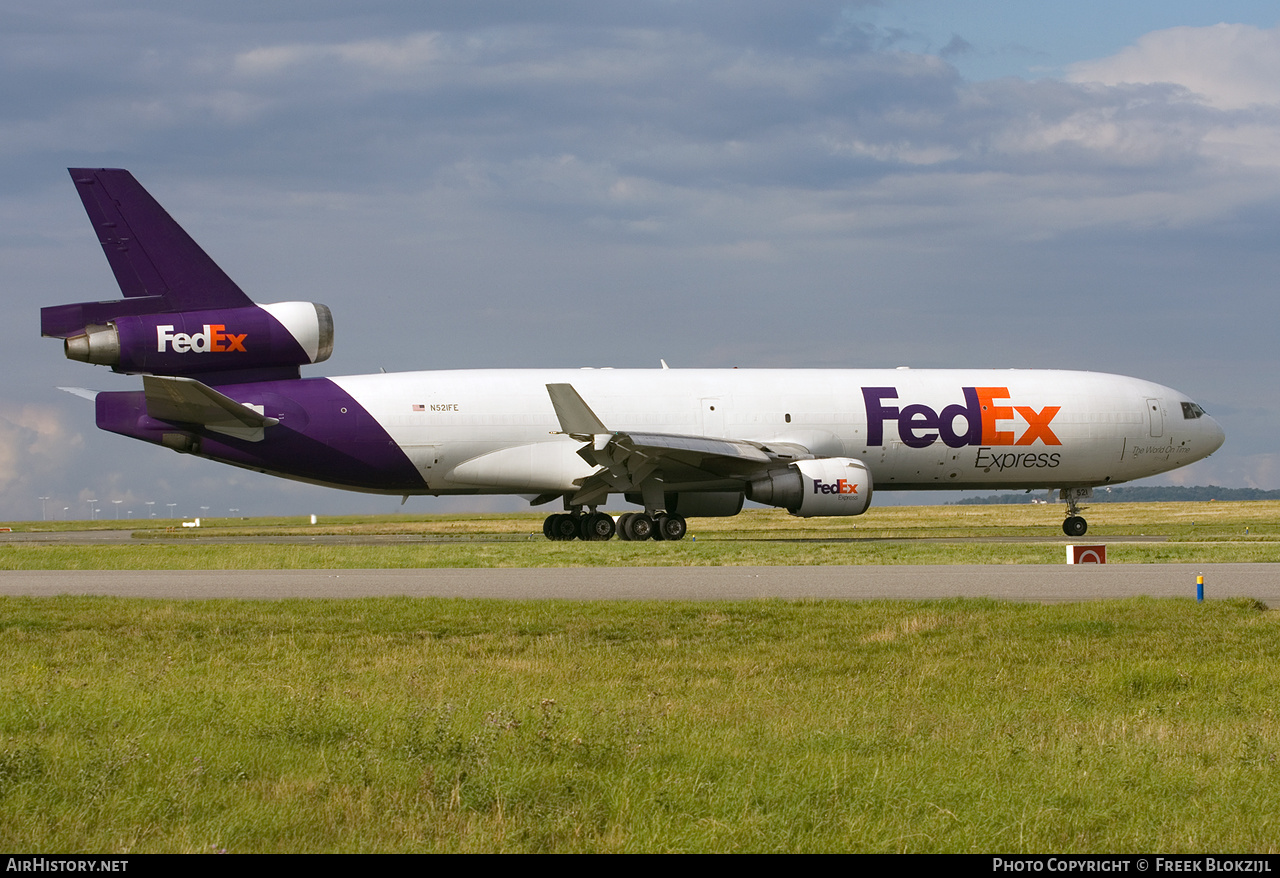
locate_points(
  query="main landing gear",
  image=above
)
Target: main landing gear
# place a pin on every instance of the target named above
(599, 526)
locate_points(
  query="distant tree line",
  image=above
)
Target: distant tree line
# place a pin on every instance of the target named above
(1135, 494)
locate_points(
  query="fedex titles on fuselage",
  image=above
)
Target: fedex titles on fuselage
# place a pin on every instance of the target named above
(984, 424)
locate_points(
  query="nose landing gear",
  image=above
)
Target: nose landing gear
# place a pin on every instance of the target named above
(1075, 525)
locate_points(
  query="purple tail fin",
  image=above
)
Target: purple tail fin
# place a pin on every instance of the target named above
(181, 315)
(158, 266)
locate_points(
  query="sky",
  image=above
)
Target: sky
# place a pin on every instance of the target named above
(509, 184)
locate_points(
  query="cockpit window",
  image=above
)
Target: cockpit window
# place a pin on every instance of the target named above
(1191, 411)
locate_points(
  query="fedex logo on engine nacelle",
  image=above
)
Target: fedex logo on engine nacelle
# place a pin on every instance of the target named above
(840, 486)
(213, 339)
(984, 422)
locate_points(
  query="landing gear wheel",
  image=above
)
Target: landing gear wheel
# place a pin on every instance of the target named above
(672, 527)
(1074, 526)
(596, 527)
(640, 526)
(565, 527)
(624, 522)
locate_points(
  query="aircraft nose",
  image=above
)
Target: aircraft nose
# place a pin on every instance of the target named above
(1214, 435)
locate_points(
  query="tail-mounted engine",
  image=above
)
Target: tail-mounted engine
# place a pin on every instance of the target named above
(287, 334)
(827, 486)
(181, 315)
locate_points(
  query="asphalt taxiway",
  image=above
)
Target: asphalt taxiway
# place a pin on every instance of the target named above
(1040, 583)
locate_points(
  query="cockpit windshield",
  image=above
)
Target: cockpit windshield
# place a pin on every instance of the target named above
(1191, 411)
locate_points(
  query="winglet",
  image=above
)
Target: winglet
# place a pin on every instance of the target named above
(576, 417)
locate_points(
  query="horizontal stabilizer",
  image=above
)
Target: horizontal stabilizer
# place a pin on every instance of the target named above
(81, 392)
(61, 321)
(185, 400)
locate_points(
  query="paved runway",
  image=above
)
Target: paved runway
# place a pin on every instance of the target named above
(1028, 582)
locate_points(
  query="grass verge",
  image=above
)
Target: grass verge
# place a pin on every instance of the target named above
(268, 556)
(1160, 532)
(446, 725)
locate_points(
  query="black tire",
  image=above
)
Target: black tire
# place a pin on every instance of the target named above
(672, 527)
(641, 526)
(624, 520)
(597, 527)
(1075, 526)
(565, 527)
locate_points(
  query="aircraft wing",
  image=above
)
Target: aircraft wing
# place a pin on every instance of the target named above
(628, 459)
(186, 400)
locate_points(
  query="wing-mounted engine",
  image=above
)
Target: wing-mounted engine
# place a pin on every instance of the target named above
(630, 463)
(825, 486)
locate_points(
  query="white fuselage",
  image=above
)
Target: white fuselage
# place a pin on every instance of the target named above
(221, 379)
(496, 431)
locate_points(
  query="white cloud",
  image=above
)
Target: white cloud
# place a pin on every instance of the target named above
(394, 56)
(1260, 471)
(1231, 70)
(551, 169)
(903, 152)
(34, 443)
(1228, 66)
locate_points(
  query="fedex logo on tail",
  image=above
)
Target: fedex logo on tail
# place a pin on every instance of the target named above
(213, 339)
(976, 421)
(840, 486)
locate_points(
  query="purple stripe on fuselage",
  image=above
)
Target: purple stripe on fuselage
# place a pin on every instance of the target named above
(324, 435)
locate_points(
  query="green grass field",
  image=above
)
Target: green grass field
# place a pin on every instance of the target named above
(449, 725)
(1187, 532)
(1208, 520)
